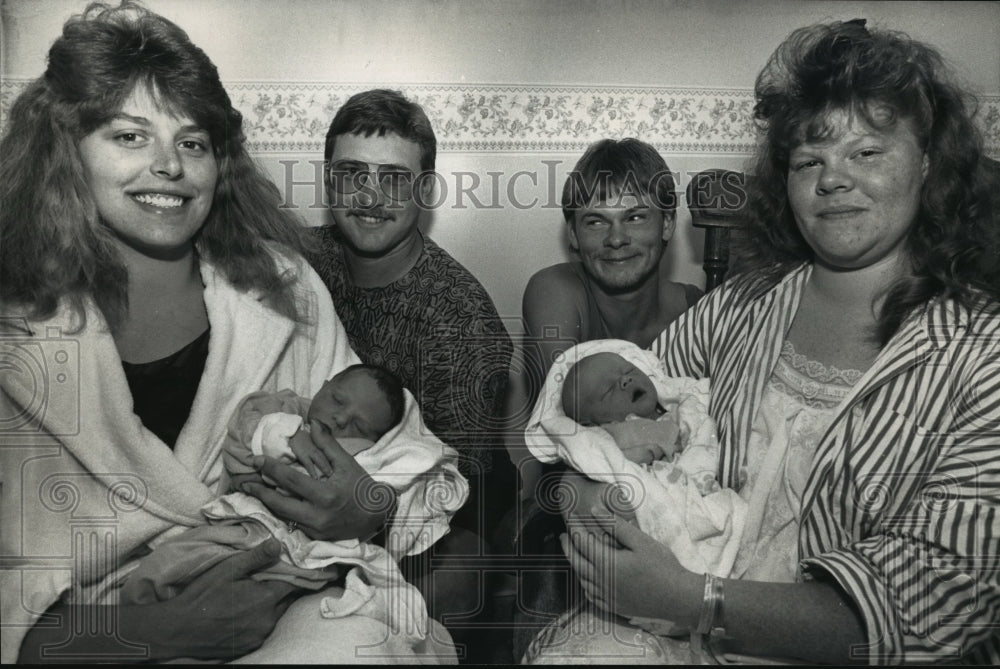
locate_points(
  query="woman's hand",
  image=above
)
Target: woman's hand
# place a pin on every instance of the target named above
(222, 614)
(225, 614)
(578, 495)
(348, 504)
(625, 571)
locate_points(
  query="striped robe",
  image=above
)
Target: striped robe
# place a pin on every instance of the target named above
(902, 507)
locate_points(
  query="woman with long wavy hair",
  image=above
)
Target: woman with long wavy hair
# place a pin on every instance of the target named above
(854, 378)
(149, 281)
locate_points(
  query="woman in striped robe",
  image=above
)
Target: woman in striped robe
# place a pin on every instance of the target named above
(855, 367)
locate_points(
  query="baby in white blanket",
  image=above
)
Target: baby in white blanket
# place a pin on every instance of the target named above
(358, 406)
(610, 411)
(607, 390)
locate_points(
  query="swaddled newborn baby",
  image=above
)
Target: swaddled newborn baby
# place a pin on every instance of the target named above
(358, 407)
(610, 411)
(607, 390)
(363, 407)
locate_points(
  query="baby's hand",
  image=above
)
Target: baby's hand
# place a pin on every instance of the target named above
(643, 454)
(644, 440)
(308, 455)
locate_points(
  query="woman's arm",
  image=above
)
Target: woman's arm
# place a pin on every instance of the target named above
(223, 614)
(627, 572)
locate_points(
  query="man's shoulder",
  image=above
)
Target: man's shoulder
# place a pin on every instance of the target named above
(684, 294)
(565, 276)
(556, 287)
(440, 260)
(443, 265)
(556, 296)
(458, 303)
(326, 236)
(327, 256)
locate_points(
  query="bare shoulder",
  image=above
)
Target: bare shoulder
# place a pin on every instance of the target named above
(555, 297)
(675, 299)
(679, 293)
(555, 281)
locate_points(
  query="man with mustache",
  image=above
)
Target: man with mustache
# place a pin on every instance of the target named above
(409, 306)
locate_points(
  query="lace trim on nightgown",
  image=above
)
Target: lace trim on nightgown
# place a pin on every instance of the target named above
(799, 402)
(810, 382)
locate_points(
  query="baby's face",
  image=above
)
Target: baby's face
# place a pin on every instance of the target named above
(352, 405)
(606, 389)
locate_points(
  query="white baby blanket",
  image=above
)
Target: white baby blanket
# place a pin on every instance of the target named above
(373, 586)
(678, 503)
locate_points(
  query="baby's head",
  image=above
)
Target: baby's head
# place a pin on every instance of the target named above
(363, 401)
(605, 388)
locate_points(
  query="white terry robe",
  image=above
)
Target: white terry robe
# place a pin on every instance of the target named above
(85, 484)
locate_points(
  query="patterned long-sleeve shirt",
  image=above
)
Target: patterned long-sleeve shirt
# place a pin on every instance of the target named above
(902, 507)
(438, 330)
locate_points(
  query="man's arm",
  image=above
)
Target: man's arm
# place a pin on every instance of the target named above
(463, 377)
(463, 369)
(554, 310)
(347, 505)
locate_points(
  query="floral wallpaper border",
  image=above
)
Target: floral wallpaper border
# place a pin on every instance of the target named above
(291, 117)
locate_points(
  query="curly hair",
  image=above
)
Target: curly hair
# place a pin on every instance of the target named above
(884, 77)
(625, 165)
(53, 244)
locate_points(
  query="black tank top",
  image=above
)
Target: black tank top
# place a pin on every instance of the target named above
(163, 390)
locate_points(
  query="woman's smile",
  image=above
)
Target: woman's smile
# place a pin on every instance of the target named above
(159, 200)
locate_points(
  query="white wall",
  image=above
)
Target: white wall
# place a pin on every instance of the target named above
(289, 64)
